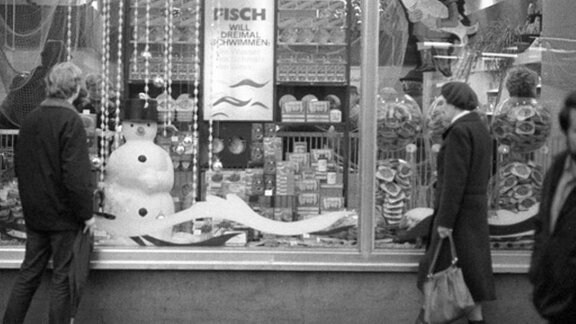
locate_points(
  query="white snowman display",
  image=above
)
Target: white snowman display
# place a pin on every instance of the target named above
(136, 189)
(139, 175)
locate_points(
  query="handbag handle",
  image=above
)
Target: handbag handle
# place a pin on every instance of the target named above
(437, 253)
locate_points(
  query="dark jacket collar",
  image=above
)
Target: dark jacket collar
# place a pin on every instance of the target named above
(57, 102)
(471, 117)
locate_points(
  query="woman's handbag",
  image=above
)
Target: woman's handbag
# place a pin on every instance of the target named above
(446, 296)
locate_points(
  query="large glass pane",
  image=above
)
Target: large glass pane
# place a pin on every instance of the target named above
(477, 42)
(234, 126)
(32, 39)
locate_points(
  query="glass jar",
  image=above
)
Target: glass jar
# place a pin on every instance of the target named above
(523, 124)
(518, 185)
(399, 120)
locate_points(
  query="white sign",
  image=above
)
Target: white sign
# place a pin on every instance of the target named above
(239, 60)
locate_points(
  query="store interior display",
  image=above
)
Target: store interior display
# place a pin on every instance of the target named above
(12, 224)
(257, 162)
(521, 126)
(294, 167)
(313, 49)
(394, 189)
(149, 36)
(136, 191)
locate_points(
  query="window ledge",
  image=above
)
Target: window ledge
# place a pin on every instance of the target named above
(112, 258)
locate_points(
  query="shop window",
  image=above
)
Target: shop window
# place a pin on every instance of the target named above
(300, 161)
(478, 45)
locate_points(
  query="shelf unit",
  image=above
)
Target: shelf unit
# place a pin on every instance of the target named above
(319, 66)
(312, 64)
(145, 56)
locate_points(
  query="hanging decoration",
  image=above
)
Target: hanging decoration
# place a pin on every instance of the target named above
(195, 94)
(147, 55)
(105, 83)
(135, 37)
(69, 31)
(117, 134)
(104, 71)
(209, 116)
(168, 49)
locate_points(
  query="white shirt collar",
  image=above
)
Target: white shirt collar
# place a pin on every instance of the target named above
(460, 115)
(570, 167)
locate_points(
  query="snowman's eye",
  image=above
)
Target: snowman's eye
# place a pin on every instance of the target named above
(142, 212)
(142, 158)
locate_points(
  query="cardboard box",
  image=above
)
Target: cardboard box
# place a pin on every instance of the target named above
(309, 199)
(329, 204)
(307, 185)
(300, 160)
(327, 190)
(315, 154)
(293, 112)
(300, 147)
(318, 112)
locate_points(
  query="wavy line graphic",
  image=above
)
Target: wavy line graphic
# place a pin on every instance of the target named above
(259, 104)
(220, 114)
(249, 83)
(232, 101)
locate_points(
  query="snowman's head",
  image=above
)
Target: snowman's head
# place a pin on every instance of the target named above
(139, 130)
(139, 119)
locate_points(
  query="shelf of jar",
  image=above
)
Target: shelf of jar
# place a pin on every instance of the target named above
(160, 4)
(160, 23)
(183, 43)
(156, 32)
(313, 44)
(140, 77)
(158, 58)
(311, 83)
(310, 75)
(284, 124)
(141, 81)
(317, 57)
(180, 69)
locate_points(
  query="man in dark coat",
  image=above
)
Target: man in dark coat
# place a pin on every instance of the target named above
(553, 266)
(461, 197)
(54, 181)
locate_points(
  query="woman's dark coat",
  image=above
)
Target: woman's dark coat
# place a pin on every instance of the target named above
(461, 203)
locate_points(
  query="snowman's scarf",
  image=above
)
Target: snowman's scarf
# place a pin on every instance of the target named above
(234, 209)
